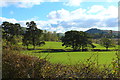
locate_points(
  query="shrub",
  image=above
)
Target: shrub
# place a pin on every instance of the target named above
(16, 65)
(116, 65)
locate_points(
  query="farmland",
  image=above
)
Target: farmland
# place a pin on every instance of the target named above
(65, 56)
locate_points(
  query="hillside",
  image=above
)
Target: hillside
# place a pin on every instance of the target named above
(95, 30)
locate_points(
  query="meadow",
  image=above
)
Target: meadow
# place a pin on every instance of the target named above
(56, 53)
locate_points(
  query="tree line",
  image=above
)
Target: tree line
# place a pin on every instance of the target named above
(78, 40)
(14, 33)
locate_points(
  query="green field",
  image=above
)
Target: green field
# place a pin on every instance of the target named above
(104, 57)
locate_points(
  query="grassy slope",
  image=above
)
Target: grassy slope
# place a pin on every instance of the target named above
(71, 57)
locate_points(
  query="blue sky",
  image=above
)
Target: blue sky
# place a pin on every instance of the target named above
(62, 16)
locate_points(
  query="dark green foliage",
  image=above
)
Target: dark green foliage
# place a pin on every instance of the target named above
(41, 43)
(106, 42)
(32, 35)
(15, 65)
(76, 40)
(11, 31)
(118, 41)
(26, 39)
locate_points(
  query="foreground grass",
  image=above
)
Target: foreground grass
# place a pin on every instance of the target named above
(102, 57)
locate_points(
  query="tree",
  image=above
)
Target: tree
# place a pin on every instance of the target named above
(17, 29)
(10, 31)
(118, 41)
(26, 39)
(32, 34)
(76, 40)
(45, 35)
(50, 36)
(54, 36)
(106, 42)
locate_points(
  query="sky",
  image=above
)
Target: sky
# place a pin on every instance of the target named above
(61, 15)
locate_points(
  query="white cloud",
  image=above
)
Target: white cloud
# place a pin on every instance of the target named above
(73, 2)
(35, 18)
(83, 18)
(60, 14)
(101, 13)
(28, 3)
(53, 0)
(12, 20)
(96, 8)
(78, 14)
(111, 11)
(23, 3)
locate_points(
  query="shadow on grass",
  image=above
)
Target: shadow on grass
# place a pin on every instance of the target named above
(65, 50)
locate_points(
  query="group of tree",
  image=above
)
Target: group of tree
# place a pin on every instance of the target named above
(107, 43)
(50, 36)
(36, 37)
(80, 40)
(77, 40)
(32, 35)
(101, 35)
(10, 32)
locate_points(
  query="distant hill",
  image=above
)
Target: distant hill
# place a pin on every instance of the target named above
(95, 30)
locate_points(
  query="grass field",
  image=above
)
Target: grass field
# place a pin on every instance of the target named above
(104, 57)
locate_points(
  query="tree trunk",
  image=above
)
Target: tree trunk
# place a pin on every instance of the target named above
(34, 47)
(82, 48)
(27, 46)
(106, 48)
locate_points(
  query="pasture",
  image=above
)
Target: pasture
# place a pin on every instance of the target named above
(56, 53)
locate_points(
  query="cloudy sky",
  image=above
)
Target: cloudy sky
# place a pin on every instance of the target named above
(61, 15)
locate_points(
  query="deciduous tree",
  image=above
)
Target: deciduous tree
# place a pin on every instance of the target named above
(106, 42)
(10, 31)
(76, 40)
(32, 34)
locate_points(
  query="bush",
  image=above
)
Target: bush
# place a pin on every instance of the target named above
(16, 65)
(10, 46)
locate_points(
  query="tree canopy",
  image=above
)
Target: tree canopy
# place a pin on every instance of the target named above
(10, 30)
(76, 39)
(106, 42)
(32, 34)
